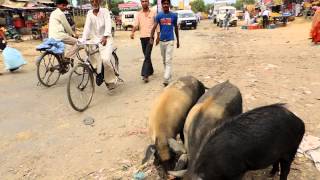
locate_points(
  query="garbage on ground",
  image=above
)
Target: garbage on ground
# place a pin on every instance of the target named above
(88, 121)
(310, 147)
(139, 176)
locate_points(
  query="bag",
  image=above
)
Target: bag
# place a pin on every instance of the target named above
(12, 58)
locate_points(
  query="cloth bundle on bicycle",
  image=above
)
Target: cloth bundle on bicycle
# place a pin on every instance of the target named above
(12, 59)
(52, 45)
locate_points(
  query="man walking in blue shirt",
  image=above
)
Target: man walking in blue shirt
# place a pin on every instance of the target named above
(167, 21)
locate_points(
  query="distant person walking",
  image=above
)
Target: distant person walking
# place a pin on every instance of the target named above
(315, 30)
(247, 17)
(265, 18)
(227, 18)
(144, 22)
(167, 21)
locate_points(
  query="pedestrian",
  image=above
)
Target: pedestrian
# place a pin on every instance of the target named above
(227, 18)
(98, 29)
(168, 27)
(12, 57)
(315, 30)
(247, 17)
(145, 20)
(265, 18)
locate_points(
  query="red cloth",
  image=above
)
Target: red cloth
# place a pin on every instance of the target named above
(315, 33)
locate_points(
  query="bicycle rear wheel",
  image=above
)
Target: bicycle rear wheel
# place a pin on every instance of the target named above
(80, 87)
(48, 69)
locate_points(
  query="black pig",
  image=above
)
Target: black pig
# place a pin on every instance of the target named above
(268, 135)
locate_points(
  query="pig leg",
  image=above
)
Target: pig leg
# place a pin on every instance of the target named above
(275, 169)
(182, 162)
(285, 168)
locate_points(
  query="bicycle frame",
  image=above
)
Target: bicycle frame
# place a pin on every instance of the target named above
(86, 61)
(89, 54)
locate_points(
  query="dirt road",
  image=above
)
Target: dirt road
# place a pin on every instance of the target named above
(42, 137)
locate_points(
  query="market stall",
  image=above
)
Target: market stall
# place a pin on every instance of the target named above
(26, 18)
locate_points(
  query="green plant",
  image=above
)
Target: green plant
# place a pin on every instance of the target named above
(198, 6)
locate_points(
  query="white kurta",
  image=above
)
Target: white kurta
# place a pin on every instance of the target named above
(95, 28)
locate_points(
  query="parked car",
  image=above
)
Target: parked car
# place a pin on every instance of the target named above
(127, 19)
(222, 13)
(187, 19)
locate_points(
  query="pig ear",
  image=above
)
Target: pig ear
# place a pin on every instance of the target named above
(151, 150)
(176, 147)
(179, 174)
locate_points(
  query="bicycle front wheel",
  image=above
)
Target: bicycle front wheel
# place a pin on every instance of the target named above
(115, 63)
(80, 87)
(48, 69)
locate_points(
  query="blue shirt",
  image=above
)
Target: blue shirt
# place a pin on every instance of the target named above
(167, 22)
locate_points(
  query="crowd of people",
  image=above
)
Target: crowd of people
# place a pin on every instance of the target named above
(98, 28)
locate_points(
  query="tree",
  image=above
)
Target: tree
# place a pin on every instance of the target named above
(239, 3)
(208, 7)
(114, 6)
(198, 6)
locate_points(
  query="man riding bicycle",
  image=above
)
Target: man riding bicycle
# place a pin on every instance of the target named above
(98, 28)
(60, 29)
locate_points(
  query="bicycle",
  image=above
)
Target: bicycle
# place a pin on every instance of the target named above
(81, 78)
(51, 65)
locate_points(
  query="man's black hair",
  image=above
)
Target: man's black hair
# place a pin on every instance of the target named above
(61, 2)
(162, 1)
(3, 44)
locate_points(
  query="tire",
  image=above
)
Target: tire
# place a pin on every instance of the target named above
(80, 83)
(115, 63)
(195, 27)
(112, 32)
(48, 63)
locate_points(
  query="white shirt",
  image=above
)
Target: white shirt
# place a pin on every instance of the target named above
(97, 26)
(246, 15)
(266, 13)
(59, 26)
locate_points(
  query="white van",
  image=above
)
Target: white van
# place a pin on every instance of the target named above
(222, 13)
(187, 18)
(215, 10)
(127, 19)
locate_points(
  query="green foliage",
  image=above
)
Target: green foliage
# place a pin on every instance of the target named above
(114, 6)
(208, 7)
(198, 6)
(239, 3)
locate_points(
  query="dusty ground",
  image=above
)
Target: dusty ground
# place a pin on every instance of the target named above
(42, 137)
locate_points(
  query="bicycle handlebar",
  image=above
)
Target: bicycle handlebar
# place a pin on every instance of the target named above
(90, 42)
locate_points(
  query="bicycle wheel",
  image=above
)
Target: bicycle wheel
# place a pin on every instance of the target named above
(115, 63)
(48, 69)
(80, 87)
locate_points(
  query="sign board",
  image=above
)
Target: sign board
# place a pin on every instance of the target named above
(128, 6)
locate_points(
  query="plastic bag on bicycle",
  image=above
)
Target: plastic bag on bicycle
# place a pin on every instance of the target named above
(52, 45)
